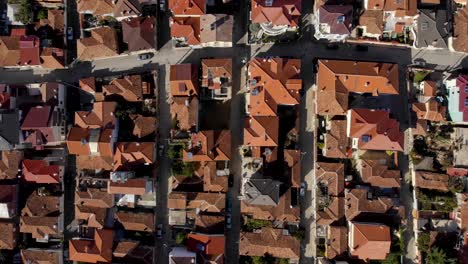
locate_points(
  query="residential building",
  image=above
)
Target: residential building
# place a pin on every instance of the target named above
(330, 191)
(143, 125)
(216, 81)
(120, 9)
(130, 154)
(184, 113)
(91, 142)
(9, 237)
(261, 131)
(460, 26)
(41, 171)
(209, 145)
(101, 116)
(336, 143)
(371, 23)
(432, 29)
(362, 204)
(185, 8)
(378, 175)
(431, 110)
(209, 177)
(334, 22)
(337, 79)
(369, 241)
(92, 208)
(337, 242)
(10, 164)
(457, 88)
(209, 248)
(10, 136)
(8, 201)
(181, 255)
(269, 241)
(432, 181)
(102, 43)
(37, 255)
(132, 192)
(139, 33)
(94, 250)
(371, 129)
(276, 17)
(136, 221)
(184, 80)
(130, 87)
(43, 127)
(460, 140)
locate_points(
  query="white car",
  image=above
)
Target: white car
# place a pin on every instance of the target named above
(70, 33)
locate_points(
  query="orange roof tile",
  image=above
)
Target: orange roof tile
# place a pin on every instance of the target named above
(207, 244)
(130, 186)
(337, 241)
(375, 130)
(215, 69)
(79, 139)
(281, 12)
(102, 43)
(136, 221)
(102, 116)
(184, 80)
(269, 241)
(379, 175)
(336, 140)
(261, 131)
(93, 251)
(273, 82)
(332, 176)
(336, 79)
(369, 241)
(128, 154)
(432, 180)
(184, 111)
(431, 110)
(129, 87)
(8, 235)
(460, 29)
(187, 7)
(360, 201)
(209, 145)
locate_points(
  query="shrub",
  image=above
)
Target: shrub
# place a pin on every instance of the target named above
(24, 12)
(423, 241)
(252, 224)
(42, 14)
(419, 76)
(180, 238)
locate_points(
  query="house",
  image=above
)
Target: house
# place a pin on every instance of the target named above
(185, 8)
(143, 222)
(9, 235)
(460, 26)
(10, 164)
(184, 113)
(121, 9)
(432, 29)
(276, 17)
(431, 110)
(209, 145)
(273, 82)
(92, 207)
(209, 224)
(336, 79)
(143, 125)
(372, 24)
(184, 80)
(10, 130)
(9, 51)
(132, 252)
(91, 142)
(264, 192)
(40, 171)
(29, 51)
(269, 241)
(216, 30)
(292, 158)
(132, 192)
(93, 251)
(207, 178)
(432, 181)
(51, 3)
(36, 255)
(334, 22)
(42, 127)
(360, 203)
(337, 242)
(331, 176)
(139, 33)
(336, 143)
(333, 211)
(102, 43)
(52, 58)
(196, 201)
(371, 129)
(185, 31)
(130, 154)
(40, 217)
(378, 175)
(398, 16)
(460, 140)
(55, 18)
(458, 98)
(130, 87)
(8, 201)
(181, 255)
(209, 248)
(217, 78)
(101, 116)
(261, 131)
(369, 241)
(330, 190)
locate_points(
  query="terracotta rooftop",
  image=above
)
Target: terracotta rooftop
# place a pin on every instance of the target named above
(209, 145)
(131, 186)
(102, 43)
(79, 139)
(186, 28)
(214, 71)
(143, 125)
(8, 235)
(339, 18)
(88, 84)
(205, 202)
(133, 254)
(375, 130)
(360, 201)
(10, 163)
(369, 241)
(37, 205)
(216, 28)
(9, 200)
(292, 157)
(41, 256)
(9, 51)
(431, 110)
(102, 116)
(136, 221)
(460, 29)
(372, 20)
(211, 246)
(337, 244)
(379, 175)
(96, 7)
(269, 241)
(210, 223)
(128, 154)
(56, 19)
(184, 80)
(40, 171)
(211, 181)
(94, 198)
(331, 175)
(334, 212)
(336, 79)
(139, 33)
(432, 180)
(129, 87)
(52, 58)
(336, 140)
(93, 251)
(128, 8)
(185, 111)
(281, 12)
(187, 7)
(273, 82)
(29, 50)
(94, 162)
(39, 227)
(261, 131)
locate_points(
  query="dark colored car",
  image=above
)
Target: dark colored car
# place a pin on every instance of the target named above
(145, 56)
(231, 180)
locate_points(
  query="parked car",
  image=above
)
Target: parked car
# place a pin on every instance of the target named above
(162, 5)
(145, 56)
(303, 189)
(161, 150)
(159, 231)
(70, 33)
(228, 205)
(230, 180)
(228, 221)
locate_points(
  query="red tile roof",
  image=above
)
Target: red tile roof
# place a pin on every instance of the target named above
(431, 110)
(369, 241)
(215, 69)
(102, 116)
(432, 180)
(206, 244)
(79, 139)
(375, 130)
(128, 154)
(379, 175)
(331, 14)
(130, 186)
(261, 131)
(187, 7)
(93, 251)
(37, 117)
(139, 33)
(39, 171)
(129, 87)
(281, 12)
(209, 145)
(269, 241)
(29, 50)
(184, 80)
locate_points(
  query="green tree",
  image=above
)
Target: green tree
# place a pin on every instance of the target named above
(252, 224)
(392, 259)
(438, 256)
(419, 76)
(258, 260)
(42, 14)
(423, 241)
(180, 238)
(283, 261)
(24, 12)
